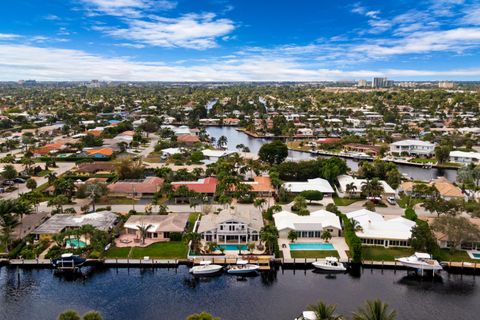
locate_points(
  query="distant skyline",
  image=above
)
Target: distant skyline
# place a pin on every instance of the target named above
(239, 40)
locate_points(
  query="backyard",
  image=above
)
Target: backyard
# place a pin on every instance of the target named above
(376, 253)
(159, 250)
(341, 202)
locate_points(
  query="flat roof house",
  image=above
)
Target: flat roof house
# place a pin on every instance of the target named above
(464, 157)
(161, 227)
(310, 226)
(377, 231)
(103, 220)
(413, 148)
(231, 227)
(318, 184)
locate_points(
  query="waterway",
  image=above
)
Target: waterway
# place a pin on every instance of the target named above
(165, 294)
(254, 144)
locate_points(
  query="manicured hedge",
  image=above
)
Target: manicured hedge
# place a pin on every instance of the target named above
(353, 242)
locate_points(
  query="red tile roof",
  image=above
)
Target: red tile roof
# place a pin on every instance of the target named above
(207, 185)
(188, 138)
(149, 185)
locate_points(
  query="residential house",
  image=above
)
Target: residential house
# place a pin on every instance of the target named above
(98, 153)
(465, 157)
(161, 226)
(375, 230)
(261, 186)
(103, 220)
(444, 242)
(364, 148)
(231, 227)
(447, 189)
(345, 180)
(317, 184)
(206, 186)
(94, 167)
(145, 188)
(311, 226)
(413, 148)
(188, 139)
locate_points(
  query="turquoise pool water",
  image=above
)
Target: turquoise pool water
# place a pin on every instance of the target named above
(311, 246)
(232, 247)
(476, 255)
(74, 243)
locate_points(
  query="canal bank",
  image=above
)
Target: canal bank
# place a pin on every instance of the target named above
(172, 293)
(236, 137)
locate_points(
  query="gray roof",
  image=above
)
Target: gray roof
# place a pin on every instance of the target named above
(103, 220)
(253, 219)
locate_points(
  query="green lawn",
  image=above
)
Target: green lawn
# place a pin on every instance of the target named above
(423, 160)
(191, 220)
(301, 254)
(115, 252)
(377, 253)
(116, 200)
(161, 250)
(43, 173)
(455, 256)
(344, 201)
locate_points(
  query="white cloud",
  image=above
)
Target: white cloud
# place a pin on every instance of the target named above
(472, 15)
(62, 64)
(126, 8)
(8, 36)
(51, 17)
(195, 31)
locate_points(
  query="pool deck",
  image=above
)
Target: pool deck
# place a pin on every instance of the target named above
(337, 242)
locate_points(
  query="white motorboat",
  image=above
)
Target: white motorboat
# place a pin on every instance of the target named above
(329, 264)
(307, 315)
(421, 261)
(242, 267)
(205, 268)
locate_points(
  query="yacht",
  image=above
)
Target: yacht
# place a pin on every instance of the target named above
(307, 315)
(420, 261)
(68, 261)
(330, 264)
(242, 267)
(205, 268)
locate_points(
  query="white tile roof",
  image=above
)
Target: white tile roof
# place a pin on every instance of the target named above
(343, 180)
(319, 184)
(317, 220)
(376, 227)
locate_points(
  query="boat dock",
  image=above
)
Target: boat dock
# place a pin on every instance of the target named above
(264, 262)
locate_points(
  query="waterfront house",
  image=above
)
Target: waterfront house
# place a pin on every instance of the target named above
(145, 188)
(231, 227)
(160, 227)
(413, 148)
(103, 220)
(373, 229)
(444, 241)
(447, 189)
(310, 226)
(212, 156)
(364, 148)
(317, 184)
(188, 139)
(464, 157)
(356, 191)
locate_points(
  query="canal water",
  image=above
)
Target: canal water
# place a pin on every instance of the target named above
(254, 144)
(147, 294)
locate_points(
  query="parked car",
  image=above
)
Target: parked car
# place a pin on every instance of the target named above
(19, 180)
(2, 190)
(391, 200)
(8, 183)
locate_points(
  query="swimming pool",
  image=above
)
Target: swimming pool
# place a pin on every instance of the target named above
(310, 246)
(475, 255)
(74, 243)
(232, 247)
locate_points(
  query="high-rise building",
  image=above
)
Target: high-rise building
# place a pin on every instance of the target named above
(446, 85)
(362, 83)
(381, 83)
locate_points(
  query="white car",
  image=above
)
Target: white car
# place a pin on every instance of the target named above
(391, 200)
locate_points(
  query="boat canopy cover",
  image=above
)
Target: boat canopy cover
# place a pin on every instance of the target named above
(309, 315)
(422, 255)
(205, 263)
(242, 262)
(332, 259)
(67, 255)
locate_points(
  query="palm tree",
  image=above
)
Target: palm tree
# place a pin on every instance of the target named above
(10, 211)
(222, 142)
(269, 235)
(356, 226)
(375, 310)
(69, 315)
(326, 235)
(51, 177)
(324, 311)
(194, 238)
(143, 231)
(372, 188)
(292, 236)
(92, 315)
(350, 188)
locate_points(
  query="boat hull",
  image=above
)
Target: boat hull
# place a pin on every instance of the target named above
(326, 267)
(246, 270)
(420, 266)
(205, 270)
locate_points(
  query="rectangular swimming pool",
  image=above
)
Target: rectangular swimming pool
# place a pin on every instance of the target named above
(310, 246)
(232, 247)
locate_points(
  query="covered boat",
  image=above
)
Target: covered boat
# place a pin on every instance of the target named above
(68, 261)
(205, 268)
(329, 264)
(242, 267)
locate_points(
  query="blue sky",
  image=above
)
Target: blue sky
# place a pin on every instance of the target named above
(239, 40)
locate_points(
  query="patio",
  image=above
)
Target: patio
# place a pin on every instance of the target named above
(131, 240)
(337, 242)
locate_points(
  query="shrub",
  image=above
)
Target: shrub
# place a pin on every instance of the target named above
(175, 236)
(94, 255)
(410, 214)
(353, 242)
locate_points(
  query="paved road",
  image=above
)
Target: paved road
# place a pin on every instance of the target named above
(22, 188)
